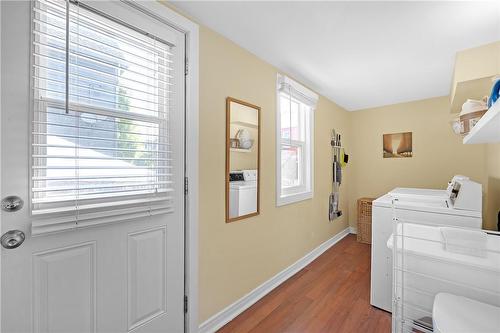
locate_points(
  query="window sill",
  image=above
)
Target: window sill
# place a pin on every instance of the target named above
(293, 198)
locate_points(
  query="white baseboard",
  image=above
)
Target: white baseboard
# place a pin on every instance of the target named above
(220, 319)
(353, 230)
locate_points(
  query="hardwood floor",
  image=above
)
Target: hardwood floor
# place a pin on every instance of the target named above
(331, 294)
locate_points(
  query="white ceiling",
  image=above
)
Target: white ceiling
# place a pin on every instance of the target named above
(358, 54)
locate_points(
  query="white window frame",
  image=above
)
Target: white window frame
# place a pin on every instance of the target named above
(109, 202)
(305, 97)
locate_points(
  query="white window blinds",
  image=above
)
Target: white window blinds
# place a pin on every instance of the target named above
(297, 91)
(100, 124)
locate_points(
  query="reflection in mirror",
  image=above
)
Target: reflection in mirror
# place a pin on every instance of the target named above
(242, 159)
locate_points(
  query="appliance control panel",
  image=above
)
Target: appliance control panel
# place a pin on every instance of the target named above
(236, 177)
(467, 195)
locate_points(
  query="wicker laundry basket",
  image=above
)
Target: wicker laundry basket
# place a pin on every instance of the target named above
(365, 220)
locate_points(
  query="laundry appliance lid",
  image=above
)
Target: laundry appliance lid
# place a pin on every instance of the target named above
(426, 241)
(408, 193)
(242, 185)
(429, 201)
(383, 201)
(434, 206)
(458, 314)
(418, 192)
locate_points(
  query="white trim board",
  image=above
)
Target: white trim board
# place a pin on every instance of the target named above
(1, 190)
(229, 313)
(353, 230)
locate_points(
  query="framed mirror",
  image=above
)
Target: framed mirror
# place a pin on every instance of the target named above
(242, 159)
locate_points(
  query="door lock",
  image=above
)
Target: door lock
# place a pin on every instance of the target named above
(12, 203)
(12, 239)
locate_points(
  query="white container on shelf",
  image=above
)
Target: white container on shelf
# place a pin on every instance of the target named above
(472, 111)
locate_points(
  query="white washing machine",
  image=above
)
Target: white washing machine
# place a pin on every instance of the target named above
(426, 193)
(459, 205)
(242, 193)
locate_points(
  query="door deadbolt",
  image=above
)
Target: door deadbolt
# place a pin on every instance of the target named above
(12, 203)
(12, 239)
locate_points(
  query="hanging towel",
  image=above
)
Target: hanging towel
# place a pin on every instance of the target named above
(462, 241)
(343, 162)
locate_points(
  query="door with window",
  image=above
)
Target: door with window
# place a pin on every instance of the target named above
(92, 125)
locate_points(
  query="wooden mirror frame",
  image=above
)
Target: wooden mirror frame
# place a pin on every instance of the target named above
(230, 100)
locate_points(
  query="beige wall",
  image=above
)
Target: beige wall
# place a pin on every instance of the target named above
(475, 63)
(235, 258)
(438, 154)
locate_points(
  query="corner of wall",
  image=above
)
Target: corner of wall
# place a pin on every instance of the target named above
(438, 154)
(492, 206)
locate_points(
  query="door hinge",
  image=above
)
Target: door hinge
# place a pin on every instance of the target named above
(185, 304)
(186, 185)
(186, 68)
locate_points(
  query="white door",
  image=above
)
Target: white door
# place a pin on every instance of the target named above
(92, 139)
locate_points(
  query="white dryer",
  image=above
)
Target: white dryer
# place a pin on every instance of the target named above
(242, 193)
(426, 193)
(445, 207)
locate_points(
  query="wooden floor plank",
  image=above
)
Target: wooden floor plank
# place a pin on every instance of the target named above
(331, 294)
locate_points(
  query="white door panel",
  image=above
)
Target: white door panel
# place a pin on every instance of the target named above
(71, 272)
(117, 277)
(146, 275)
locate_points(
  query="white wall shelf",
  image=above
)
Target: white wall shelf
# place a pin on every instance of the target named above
(487, 129)
(240, 150)
(244, 124)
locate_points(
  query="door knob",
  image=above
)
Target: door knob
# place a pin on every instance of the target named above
(12, 203)
(12, 239)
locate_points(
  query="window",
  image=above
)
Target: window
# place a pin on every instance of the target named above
(100, 123)
(294, 138)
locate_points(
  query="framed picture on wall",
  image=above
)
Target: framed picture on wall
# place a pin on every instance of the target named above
(397, 145)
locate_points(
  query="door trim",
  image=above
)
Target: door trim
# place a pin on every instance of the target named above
(1, 188)
(191, 31)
